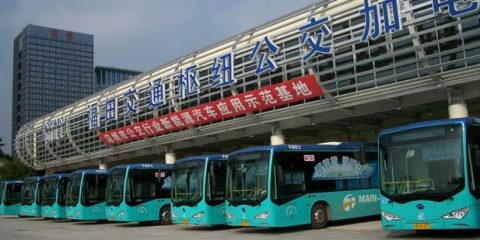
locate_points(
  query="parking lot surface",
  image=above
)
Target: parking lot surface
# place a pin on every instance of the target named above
(12, 228)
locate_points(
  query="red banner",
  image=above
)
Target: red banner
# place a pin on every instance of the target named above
(275, 95)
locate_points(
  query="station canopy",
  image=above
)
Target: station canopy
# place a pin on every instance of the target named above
(337, 70)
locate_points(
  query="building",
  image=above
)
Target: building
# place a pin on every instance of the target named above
(51, 69)
(108, 76)
(333, 71)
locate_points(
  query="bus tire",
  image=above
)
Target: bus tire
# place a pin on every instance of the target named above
(165, 216)
(318, 216)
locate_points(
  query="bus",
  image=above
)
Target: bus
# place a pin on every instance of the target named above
(288, 185)
(198, 191)
(86, 195)
(139, 193)
(430, 175)
(10, 197)
(54, 196)
(31, 197)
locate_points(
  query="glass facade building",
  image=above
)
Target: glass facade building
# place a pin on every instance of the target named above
(51, 69)
(108, 76)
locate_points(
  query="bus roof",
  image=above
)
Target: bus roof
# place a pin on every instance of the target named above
(11, 181)
(145, 166)
(342, 146)
(33, 178)
(204, 157)
(92, 171)
(57, 175)
(465, 121)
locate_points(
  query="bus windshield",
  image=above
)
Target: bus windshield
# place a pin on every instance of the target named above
(49, 191)
(425, 163)
(115, 183)
(73, 189)
(188, 182)
(28, 192)
(12, 193)
(2, 187)
(93, 191)
(248, 178)
(145, 185)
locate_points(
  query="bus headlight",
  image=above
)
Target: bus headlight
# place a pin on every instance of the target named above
(229, 215)
(120, 214)
(389, 217)
(458, 214)
(263, 215)
(198, 215)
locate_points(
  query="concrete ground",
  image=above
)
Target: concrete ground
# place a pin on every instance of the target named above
(13, 228)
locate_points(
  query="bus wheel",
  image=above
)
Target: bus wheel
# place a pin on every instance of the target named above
(165, 216)
(318, 216)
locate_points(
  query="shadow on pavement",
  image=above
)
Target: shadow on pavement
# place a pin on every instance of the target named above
(437, 234)
(62, 221)
(354, 221)
(139, 224)
(273, 231)
(101, 222)
(293, 229)
(12, 217)
(36, 219)
(206, 228)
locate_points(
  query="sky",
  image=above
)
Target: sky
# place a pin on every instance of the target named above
(132, 34)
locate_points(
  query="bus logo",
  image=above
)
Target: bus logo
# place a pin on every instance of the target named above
(348, 203)
(291, 211)
(142, 210)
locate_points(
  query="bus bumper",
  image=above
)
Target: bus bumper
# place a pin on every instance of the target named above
(203, 215)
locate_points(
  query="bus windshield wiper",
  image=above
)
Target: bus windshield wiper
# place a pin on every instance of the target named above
(442, 194)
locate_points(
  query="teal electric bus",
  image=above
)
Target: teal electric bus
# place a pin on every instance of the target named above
(430, 175)
(31, 197)
(287, 185)
(54, 196)
(139, 193)
(198, 190)
(10, 197)
(86, 195)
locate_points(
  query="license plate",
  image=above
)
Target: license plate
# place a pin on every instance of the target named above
(244, 223)
(184, 221)
(422, 226)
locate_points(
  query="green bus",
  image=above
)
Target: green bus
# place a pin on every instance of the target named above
(288, 185)
(86, 195)
(198, 190)
(10, 192)
(139, 193)
(31, 197)
(430, 175)
(54, 196)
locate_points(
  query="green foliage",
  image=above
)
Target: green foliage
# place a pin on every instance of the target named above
(13, 169)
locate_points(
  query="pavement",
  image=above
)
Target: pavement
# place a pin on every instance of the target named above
(13, 228)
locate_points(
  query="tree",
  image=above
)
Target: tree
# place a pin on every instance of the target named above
(1, 146)
(15, 170)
